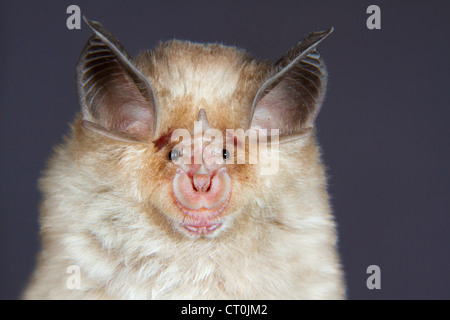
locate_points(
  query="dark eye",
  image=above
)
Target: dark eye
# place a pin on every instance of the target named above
(225, 154)
(174, 154)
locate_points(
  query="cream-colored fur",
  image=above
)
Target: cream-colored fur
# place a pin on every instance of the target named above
(107, 207)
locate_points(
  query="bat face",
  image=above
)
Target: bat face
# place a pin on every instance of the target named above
(200, 193)
(189, 118)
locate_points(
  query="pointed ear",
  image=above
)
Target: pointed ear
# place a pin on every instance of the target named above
(116, 99)
(291, 99)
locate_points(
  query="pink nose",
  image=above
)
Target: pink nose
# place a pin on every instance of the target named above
(202, 190)
(201, 182)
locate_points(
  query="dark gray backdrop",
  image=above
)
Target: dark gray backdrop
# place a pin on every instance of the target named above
(384, 125)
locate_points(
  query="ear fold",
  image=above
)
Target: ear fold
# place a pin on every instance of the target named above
(116, 99)
(291, 99)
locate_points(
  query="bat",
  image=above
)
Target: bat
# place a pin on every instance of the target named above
(192, 171)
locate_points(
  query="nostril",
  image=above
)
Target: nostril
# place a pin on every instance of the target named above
(201, 182)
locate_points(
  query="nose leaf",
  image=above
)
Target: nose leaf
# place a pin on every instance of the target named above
(202, 191)
(201, 182)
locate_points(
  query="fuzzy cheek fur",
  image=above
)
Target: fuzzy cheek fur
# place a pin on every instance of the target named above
(139, 226)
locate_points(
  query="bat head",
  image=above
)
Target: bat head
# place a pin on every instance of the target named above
(181, 128)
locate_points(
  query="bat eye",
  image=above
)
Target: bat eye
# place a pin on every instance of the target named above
(174, 154)
(225, 154)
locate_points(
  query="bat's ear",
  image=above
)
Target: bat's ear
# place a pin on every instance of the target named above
(291, 99)
(116, 99)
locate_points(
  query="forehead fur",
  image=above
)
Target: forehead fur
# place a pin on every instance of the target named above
(189, 76)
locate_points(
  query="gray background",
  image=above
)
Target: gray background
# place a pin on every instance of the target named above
(384, 125)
